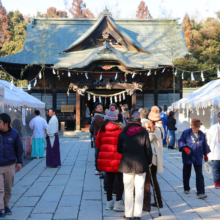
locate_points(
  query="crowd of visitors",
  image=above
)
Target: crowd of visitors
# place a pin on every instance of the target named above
(129, 153)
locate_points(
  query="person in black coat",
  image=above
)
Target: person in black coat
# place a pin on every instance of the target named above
(171, 127)
(134, 145)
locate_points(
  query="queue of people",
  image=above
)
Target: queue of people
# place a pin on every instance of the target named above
(129, 149)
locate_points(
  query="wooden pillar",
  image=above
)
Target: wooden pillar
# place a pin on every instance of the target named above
(134, 100)
(77, 111)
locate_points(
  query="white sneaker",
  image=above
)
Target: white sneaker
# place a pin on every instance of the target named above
(119, 206)
(98, 172)
(186, 192)
(109, 205)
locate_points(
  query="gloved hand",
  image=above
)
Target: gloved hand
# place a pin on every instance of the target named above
(187, 150)
(206, 158)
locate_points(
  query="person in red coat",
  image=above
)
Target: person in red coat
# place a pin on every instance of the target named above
(109, 159)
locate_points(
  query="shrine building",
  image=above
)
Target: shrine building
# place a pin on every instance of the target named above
(75, 61)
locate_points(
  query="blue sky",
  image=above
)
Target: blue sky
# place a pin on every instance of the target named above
(125, 8)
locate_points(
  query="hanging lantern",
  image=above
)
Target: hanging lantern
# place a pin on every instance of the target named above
(149, 73)
(123, 96)
(89, 97)
(35, 82)
(12, 84)
(192, 77)
(133, 75)
(69, 74)
(40, 75)
(94, 98)
(183, 75)
(54, 72)
(116, 75)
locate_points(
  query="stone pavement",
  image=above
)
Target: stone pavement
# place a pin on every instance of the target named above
(74, 192)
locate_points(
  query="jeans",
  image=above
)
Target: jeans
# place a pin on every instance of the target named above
(216, 171)
(172, 138)
(200, 185)
(165, 135)
(110, 184)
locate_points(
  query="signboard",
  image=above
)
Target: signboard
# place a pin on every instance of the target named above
(67, 108)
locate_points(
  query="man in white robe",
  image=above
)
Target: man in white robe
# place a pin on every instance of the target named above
(53, 145)
(213, 137)
(38, 125)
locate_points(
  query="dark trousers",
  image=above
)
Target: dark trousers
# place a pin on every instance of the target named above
(96, 156)
(216, 171)
(147, 194)
(110, 183)
(200, 186)
(115, 185)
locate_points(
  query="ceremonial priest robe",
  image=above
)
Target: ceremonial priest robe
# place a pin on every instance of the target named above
(53, 144)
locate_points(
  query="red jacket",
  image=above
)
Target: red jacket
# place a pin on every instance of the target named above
(109, 159)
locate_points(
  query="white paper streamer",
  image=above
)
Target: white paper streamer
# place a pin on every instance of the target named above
(12, 84)
(192, 77)
(175, 72)
(105, 100)
(54, 72)
(120, 98)
(149, 73)
(133, 75)
(35, 82)
(218, 72)
(116, 75)
(116, 100)
(111, 99)
(29, 86)
(89, 97)
(100, 99)
(100, 76)
(123, 96)
(164, 70)
(202, 76)
(69, 74)
(183, 75)
(197, 111)
(86, 76)
(94, 98)
(40, 75)
(203, 112)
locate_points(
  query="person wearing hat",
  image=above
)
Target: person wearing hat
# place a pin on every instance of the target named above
(194, 148)
(109, 159)
(213, 137)
(134, 145)
(156, 133)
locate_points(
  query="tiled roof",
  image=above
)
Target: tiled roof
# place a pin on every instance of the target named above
(64, 32)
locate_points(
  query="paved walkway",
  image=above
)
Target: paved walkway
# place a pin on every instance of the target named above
(74, 192)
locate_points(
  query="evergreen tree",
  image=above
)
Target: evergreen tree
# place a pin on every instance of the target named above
(79, 10)
(143, 11)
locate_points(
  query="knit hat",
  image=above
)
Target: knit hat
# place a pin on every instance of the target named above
(196, 122)
(154, 114)
(112, 114)
(135, 117)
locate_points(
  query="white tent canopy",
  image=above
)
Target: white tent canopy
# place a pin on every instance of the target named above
(206, 96)
(17, 98)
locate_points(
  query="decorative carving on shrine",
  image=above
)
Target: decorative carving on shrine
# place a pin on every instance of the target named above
(75, 88)
(106, 33)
